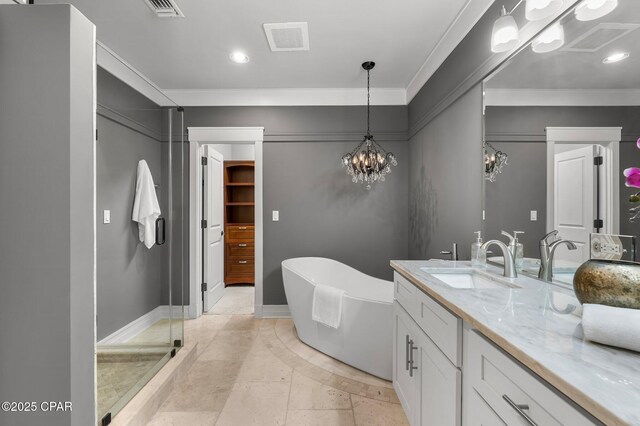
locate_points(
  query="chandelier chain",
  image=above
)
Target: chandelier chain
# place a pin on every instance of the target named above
(368, 105)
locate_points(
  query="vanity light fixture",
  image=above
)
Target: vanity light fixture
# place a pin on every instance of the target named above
(550, 40)
(505, 35)
(541, 9)
(589, 10)
(368, 162)
(616, 57)
(239, 57)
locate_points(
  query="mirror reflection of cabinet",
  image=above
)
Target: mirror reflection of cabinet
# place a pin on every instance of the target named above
(554, 114)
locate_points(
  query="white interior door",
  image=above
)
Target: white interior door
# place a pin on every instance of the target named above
(213, 229)
(574, 200)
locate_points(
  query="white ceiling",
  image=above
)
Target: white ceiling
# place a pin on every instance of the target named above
(192, 53)
(584, 72)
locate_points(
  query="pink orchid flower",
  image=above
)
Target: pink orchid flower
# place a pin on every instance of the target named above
(632, 175)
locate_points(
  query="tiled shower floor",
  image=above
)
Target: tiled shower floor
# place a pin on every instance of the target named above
(122, 372)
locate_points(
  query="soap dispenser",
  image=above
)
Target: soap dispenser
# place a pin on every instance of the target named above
(478, 255)
(516, 248)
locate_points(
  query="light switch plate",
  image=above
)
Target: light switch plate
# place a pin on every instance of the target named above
(106, 216)
(275, 215)
(534, 215)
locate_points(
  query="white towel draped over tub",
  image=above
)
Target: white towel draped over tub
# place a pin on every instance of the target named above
(611, 326)
(327, 305)
(145, 206)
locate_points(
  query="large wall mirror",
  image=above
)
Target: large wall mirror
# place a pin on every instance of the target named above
(551, 113)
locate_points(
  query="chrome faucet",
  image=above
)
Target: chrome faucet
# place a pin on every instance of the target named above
(509, 260)
(453, 253)
(547, 250)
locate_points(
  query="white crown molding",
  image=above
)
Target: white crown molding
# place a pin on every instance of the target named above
(287, 97)
(468, 16)
(561, 97)
(114, 64)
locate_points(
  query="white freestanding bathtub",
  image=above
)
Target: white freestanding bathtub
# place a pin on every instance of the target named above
(364, 338)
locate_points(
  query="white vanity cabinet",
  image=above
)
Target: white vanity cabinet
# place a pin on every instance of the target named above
(514, 395)
(428, 356)
(426, 381)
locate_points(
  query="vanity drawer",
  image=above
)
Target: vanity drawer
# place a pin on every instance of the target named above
(405, 293)
(502, 382)
(240, 232)
(240, 249)
(443, 327)
(240, 265)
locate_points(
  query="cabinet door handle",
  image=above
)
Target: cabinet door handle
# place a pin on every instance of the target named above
(520, 408)
(406, 353)
(242, 245)
(412, 367)
(242, 261)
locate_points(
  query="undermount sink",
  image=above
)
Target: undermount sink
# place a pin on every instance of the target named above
(470, 281)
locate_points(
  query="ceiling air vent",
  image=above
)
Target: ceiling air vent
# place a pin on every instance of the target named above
(165, 8)
(599, 36)
(287, 37)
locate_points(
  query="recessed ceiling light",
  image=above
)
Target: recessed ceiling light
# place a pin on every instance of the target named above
(239, 57)
(616, 57)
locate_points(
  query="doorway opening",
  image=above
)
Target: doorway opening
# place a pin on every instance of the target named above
(226, 221)
(582, 185)
(228, 230)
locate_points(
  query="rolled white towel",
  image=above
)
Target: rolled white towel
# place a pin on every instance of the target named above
(611, 326)
(327, 305)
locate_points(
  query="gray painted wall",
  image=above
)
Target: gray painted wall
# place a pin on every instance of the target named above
(445, 180)
(47, 216)
(465, 67)
(520, 188)
(321, 212)
(520, 132)
(130, 278)
(445, 131)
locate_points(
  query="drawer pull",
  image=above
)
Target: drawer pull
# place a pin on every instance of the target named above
(411, 349)
(242, 245)
(406, 353)
(520, 408)
(242, 227)
(242, 261)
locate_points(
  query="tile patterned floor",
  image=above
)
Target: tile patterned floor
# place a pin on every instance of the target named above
(237, 299)
(257, 372)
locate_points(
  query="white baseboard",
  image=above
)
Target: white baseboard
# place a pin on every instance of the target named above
(136, 326)
(273, 311)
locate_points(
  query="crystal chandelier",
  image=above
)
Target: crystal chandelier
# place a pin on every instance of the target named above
(368, 162)
(494, 161)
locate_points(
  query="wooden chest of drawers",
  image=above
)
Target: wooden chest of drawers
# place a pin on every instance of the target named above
(239, 254)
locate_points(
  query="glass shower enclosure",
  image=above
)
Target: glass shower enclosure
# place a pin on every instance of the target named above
(140, 289)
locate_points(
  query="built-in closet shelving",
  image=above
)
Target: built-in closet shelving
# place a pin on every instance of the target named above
(239, 213)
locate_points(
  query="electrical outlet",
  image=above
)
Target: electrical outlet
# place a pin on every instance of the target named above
(275, 215)
(106, 216)
(534, 215)
(607, 247)
(610, 249)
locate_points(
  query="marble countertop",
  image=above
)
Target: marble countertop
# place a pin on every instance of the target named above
(539, 325)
